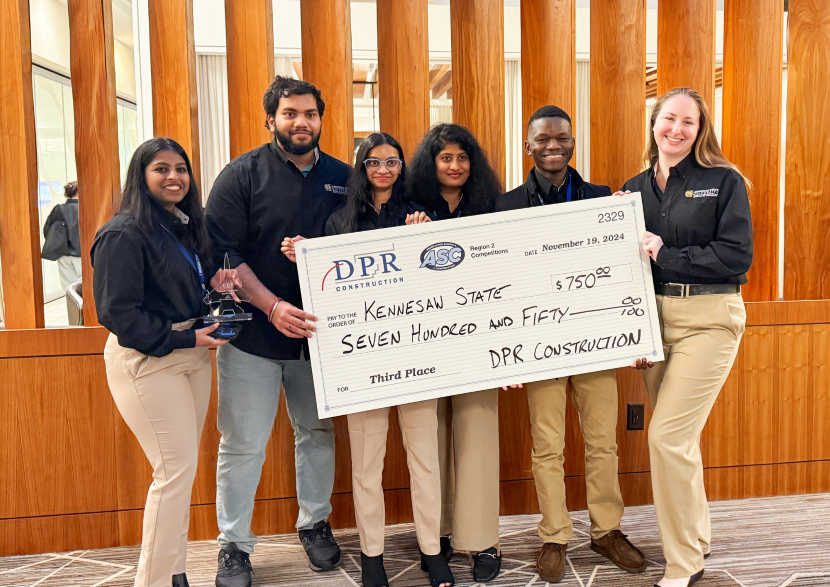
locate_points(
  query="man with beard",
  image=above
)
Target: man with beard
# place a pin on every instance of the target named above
(285, 188)
(551, 143)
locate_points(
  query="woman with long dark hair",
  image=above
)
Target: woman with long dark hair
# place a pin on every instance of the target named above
(149, 288)
(450, 176)
(699, 238)
(376, 198)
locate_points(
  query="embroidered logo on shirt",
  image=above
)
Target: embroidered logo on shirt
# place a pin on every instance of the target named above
(712, 193)
(337, 189)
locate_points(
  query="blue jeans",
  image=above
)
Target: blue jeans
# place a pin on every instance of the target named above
(249, 393)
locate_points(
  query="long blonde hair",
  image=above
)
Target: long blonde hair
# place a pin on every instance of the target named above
(707, 150)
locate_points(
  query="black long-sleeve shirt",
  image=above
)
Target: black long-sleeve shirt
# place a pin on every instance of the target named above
(392, 213)
(703, 218)
(260, 198)
(143, 284)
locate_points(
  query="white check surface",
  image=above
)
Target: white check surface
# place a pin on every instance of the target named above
(539, 293)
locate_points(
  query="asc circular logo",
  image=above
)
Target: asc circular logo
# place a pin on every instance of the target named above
(442, 256)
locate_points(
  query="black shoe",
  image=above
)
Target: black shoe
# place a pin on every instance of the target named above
(446, 547)
(234, 568)
(486, 565)
(320, 547)
(692, 580)
(180, 580)
(438, 568)
(372, 572)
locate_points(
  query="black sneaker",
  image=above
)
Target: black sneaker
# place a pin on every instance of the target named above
(320, 547)
(234, 568)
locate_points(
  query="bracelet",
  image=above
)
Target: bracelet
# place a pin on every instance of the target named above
(273, 309)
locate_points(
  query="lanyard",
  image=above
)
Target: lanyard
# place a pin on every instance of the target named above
(197, 265)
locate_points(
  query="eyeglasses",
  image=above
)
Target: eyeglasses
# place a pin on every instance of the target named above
(392, 164)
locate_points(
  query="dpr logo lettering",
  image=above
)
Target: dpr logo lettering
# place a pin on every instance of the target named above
(442, 256)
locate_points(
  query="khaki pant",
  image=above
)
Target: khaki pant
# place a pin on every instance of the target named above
(367, 436)
(701, 335)
(595, 397)
(164, 401)
(468, 445)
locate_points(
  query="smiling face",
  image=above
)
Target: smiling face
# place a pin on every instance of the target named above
(676, 126)
(297, 123)
(452, 166)
(382, 177)
(550, 142)
(167, 179)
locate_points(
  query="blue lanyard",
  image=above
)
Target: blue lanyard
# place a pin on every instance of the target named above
(197, 265)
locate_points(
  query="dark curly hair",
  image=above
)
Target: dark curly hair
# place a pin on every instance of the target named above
(358, 189)
(483, 185)
(283, 87)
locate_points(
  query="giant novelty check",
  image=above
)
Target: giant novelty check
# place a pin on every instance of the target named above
(431, 310)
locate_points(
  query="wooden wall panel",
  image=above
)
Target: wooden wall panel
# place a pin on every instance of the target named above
(806, 214)
(96, 127)
(19, 227)
(403, 70)
(820, 398)
(618, 90)
(52, 342)
(62, 430)
(478, 74)
(794, 397)
(686, 47)
(173, 71)
(327, 63)
(249, 26)
(548, 76)
(752, 62)
(761, 428)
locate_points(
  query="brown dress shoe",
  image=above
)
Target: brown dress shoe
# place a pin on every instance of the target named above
(551, 562)
(615, 547)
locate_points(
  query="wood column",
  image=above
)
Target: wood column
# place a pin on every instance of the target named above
(403, 70)
(806, 213)
(478, 74)
(96, 127)
(327, 63)
(19, 226)
(618, 90)
(249, 25)
(751, 132)
(686, 47)
(548, 71)
(173, 75)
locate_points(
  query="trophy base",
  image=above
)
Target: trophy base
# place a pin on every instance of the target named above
(240, 317)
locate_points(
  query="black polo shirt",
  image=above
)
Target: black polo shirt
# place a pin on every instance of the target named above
(260, 198)
(703, 218)
(391, 213)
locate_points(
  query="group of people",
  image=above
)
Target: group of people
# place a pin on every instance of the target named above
(155, 261)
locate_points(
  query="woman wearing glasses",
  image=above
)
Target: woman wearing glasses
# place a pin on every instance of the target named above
(375, 198)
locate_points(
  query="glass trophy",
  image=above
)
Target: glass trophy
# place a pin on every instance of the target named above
(223, 302)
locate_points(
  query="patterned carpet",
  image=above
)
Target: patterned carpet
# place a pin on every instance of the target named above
(774, 542)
